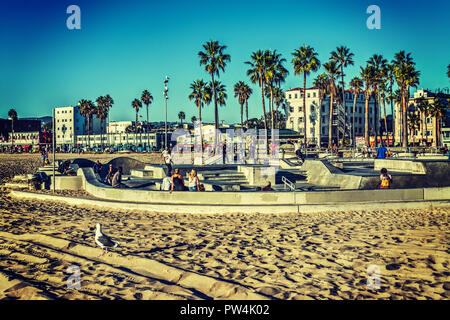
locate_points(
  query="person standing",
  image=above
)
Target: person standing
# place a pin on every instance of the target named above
(167, 157)
(381, 152)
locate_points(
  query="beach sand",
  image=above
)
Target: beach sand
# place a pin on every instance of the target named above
(227, 256)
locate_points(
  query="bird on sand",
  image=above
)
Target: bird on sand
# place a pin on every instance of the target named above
(103, 241)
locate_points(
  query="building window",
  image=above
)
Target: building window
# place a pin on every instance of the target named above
(308, 94)
(291, 109)
(295, 96)
(300, 109)
(289, 95)
(314, 94)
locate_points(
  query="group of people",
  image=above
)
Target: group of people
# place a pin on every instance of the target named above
(175, 182)
(113, 177)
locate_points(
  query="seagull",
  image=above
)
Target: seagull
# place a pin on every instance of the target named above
(104, 241)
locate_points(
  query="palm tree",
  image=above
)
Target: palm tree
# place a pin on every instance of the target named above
(221, 92)
(279, 99)
(12, 114)
(193, 119)
(367, 76)
(215, 60)
(239, 92)
(276, 74)
(247, 93)
(438, 110)
(332, 70)
(305, 61)
(147, 99)
(201, 94)
(406, 76)
(389, 96)
(380, 67)
(108, 102)
(413, 122)
(321, 83)
(257, 73)
(181, 116)
(136, 104)
(383, 90)
(356, 87)
(101, 112)
(87, 109)
(425, 109)
(344, 57)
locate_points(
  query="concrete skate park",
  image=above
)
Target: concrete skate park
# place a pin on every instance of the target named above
(319, 184)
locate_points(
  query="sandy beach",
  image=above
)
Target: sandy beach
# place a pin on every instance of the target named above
(232, 256)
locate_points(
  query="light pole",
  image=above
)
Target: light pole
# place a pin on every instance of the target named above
(166, 90)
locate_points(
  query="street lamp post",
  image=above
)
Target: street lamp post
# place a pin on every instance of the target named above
(166, 90)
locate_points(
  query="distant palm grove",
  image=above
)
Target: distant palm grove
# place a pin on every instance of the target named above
(379, 80)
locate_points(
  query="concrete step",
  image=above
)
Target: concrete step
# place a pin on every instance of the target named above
(141, 173)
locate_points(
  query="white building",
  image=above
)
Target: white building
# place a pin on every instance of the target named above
(69, 123)
(118, 126)
(317, 130)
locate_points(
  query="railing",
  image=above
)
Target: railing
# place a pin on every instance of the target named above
(287, 183)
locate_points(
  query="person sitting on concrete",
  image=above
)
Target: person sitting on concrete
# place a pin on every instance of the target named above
(268, 187)
(109, 175)
(166, 184)
(194, 184)
(382, 152)
(177, 182)
(117, 179)
(97, 167)
(385, 179)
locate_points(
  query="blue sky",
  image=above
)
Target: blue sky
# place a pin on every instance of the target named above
(124, 47)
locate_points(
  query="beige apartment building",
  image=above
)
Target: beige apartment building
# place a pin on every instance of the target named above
(317, 117)
(426, 133)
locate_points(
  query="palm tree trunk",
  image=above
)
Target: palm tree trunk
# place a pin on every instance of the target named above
(392, 112)
(246, 111)
(200, 123)
(385, 122)
(438, 138)
(216, 112)
(135, 131)
(146, 130)
(375, 116)
(304, 105)
(263, 104)
(271, 112)
(242, 115)
(405, 125)
(343, 104)
(330, 128)
(366, 122)
(89, 132)
(353, 122)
